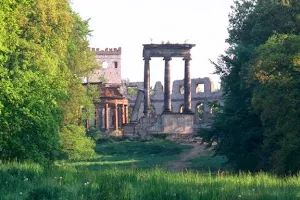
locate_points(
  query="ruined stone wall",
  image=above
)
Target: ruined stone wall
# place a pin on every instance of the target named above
(202, 91)
(110, 60)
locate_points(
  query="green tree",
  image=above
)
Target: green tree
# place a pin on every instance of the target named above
(276, 67)
(241, 130)
(38, 67)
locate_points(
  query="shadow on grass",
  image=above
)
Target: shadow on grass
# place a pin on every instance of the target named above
(130, 154)
(209, 163)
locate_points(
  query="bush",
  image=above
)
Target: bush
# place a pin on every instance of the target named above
(94, 133)
(75, 143)
(160, 135)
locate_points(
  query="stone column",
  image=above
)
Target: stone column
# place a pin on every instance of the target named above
(147, 85)
(116, 117)
(106, 125)
(126, 114)
(187, 86)
(123, 114)
(167, 86)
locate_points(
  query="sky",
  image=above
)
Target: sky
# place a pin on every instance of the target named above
(131, 23)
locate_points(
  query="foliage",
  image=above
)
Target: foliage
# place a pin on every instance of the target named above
(94, 133)
(160, 135)
(75, 144)
(71, 183)
(122, 153)
(43, 54)
(276, 67)
(156, 146)
(254, 128)
(132, 91)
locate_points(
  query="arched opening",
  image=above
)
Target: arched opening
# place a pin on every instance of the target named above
(199, 88)
(199, 114)
(130, 109)
(104, 65)
(181, 109)
(132, 91)
(181, 90)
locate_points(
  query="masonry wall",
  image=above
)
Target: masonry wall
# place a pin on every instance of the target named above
(199, 96)
(110, 73)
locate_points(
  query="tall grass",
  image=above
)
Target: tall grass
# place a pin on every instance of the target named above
(31, 181)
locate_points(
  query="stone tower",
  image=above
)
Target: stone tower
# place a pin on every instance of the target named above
(110, 60)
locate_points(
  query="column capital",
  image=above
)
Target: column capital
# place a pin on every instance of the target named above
(167, 58)
(147, 58)
(187, 58)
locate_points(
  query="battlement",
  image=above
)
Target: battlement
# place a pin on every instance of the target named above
(108, 51)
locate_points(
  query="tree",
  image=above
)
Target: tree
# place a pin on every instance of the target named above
(240, 126)
(42, 47)
(276, 68)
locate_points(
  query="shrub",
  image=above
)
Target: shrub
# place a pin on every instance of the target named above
(160, 135)
(94, 133)
(75, 143)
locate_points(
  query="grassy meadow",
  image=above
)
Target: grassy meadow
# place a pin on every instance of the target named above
(130, 154)
(134, 170)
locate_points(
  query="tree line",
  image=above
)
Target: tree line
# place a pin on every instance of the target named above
(43, 53)
(258, 127)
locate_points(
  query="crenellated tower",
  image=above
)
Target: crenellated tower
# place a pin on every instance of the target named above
(110, 60)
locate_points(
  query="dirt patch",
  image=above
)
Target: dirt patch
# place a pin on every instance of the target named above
(183, 162)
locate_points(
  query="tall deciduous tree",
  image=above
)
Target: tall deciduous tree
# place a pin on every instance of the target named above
(43, 51)
(244, 128)
(276, 67)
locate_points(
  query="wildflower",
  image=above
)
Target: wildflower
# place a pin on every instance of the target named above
(25, 179)
(21, 193)
(174, 194)
(253, 190)
(60, 180)
(240, 196)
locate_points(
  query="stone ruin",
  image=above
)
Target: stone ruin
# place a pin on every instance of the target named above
(166, 111)
(110, 60)
(202, 91)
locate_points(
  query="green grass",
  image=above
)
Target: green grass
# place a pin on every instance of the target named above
(128, 154)
(31, 181)
(207, 161)
(129, 170)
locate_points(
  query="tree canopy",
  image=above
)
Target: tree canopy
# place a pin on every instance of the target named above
(43, 53)
(258, 127)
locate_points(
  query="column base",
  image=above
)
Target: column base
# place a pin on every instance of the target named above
(167, 111)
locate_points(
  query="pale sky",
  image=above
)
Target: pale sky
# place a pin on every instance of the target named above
(131, 23)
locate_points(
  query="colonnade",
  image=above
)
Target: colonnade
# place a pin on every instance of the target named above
(167, 85)
(120, 112)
